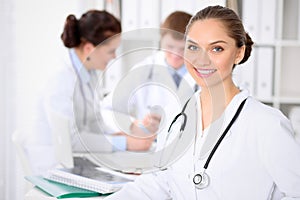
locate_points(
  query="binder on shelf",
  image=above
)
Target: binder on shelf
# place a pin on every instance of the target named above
(251, 18)
(59, 190)
(187, 6)
(289, 18)
(265, 65)
(243, 75)
(130, 15)
(267, 17)
(95, 179)
(298, 21)
(166, 7)
(148, 18)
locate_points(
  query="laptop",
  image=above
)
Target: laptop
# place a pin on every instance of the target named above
(60, 126)
(96, 152)
(83, 144)
(80, 169)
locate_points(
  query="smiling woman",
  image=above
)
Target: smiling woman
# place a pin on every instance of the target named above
(242, 149)
(211, 57)
(210, 52)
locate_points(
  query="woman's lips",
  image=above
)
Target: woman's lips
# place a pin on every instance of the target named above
(204, 73)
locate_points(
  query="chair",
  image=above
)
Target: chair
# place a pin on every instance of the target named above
(18, 139)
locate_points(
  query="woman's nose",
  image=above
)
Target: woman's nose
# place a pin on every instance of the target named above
(203, 59)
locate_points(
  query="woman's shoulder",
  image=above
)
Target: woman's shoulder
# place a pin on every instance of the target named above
(62, 75)
(265, 117)
(261, 109)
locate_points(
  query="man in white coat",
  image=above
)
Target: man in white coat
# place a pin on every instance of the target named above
(160, 84)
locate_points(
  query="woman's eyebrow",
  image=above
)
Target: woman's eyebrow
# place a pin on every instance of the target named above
(218, 41)
(191, 41)
(210, 44)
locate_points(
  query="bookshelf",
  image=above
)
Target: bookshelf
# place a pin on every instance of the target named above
(272, 73)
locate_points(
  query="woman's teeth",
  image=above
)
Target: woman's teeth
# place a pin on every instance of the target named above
(206, 71)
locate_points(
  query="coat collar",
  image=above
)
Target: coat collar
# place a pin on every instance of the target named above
(78, 66)
(212, 133)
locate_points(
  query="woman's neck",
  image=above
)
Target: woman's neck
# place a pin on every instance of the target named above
(80, 54)
(82, 57)
(214, 101)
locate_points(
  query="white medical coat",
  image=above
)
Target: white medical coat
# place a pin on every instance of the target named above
(62, 94)
(150, 84)
(258, 159)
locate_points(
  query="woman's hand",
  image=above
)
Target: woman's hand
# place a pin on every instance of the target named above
(143, 133)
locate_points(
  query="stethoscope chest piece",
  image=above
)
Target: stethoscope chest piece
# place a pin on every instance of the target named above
(201, 180)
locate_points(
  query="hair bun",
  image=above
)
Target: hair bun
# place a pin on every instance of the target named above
(71, 35)
(248, 49)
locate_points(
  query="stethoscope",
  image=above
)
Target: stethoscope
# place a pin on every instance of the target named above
(201, 180)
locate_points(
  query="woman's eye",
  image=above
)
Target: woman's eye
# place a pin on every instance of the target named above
(192, 47)
(217, 49)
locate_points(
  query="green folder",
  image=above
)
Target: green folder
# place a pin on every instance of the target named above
(60, 190)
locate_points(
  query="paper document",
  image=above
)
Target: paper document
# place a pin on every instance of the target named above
(95, 179)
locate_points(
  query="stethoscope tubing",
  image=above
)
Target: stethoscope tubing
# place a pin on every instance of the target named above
(224, 133)
(201, 180)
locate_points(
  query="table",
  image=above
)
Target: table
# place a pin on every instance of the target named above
(36, 194)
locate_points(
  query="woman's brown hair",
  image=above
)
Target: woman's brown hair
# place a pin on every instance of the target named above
(231, 22)
(94, 26)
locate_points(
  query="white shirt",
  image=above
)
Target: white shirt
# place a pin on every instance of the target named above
(258, 159)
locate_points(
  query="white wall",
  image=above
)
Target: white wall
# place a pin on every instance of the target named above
(7, 111)
(29, 38)
(38, 28)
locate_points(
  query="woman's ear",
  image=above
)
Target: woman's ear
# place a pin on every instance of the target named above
(87, 49)
(240, 54)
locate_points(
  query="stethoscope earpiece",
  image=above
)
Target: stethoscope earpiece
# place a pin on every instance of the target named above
(201, 180)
